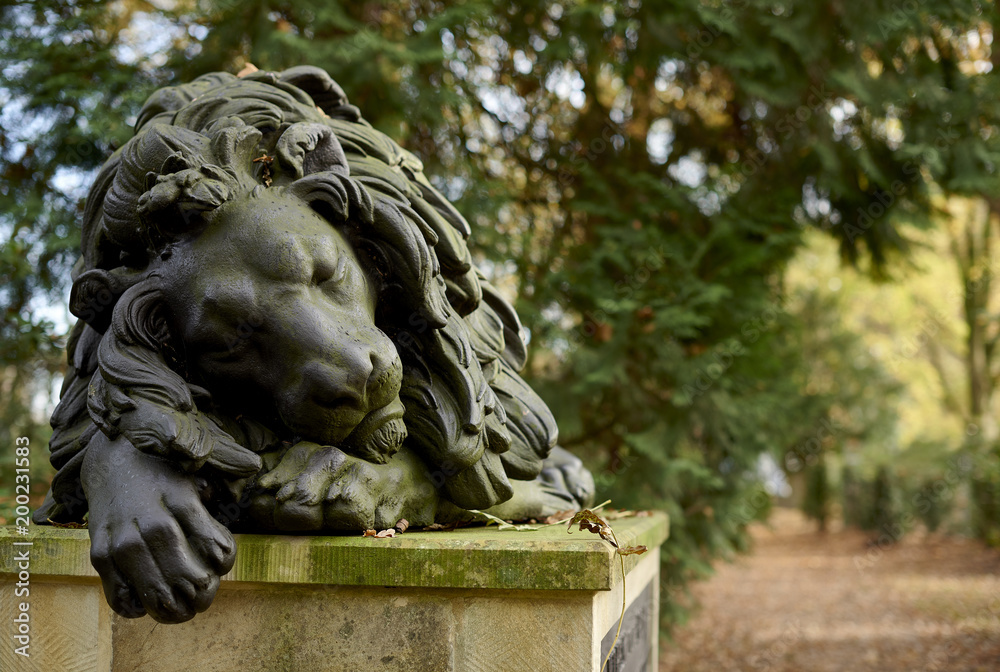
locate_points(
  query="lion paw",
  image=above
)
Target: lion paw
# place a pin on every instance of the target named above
(565, 474)
(154, 544)
(317, 487)
(307, 477)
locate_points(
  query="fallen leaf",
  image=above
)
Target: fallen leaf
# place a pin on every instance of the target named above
(386, 534)
(248, 69)
(591, 522)
(370, 533)
(559, 516)
(631, 550)
(71, 526)
(501, 523)
(402, 525)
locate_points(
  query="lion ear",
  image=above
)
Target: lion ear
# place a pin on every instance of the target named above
(306, 148)
(95, 293)
(325, 92)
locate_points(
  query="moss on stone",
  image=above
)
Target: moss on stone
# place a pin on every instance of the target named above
(475, 557)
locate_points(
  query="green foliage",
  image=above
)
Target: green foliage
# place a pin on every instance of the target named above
(816, 504)
(853, 493)
(845, 395)
(985, 495)
(986, 507)
(884, 514)
(916, 487)
(931, 503)
(645, 171)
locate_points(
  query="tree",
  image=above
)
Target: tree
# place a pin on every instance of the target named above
(817, 501)
(932, 504)
(853, 493)
(883, 516)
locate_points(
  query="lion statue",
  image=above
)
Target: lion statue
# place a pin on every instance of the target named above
(281, 330)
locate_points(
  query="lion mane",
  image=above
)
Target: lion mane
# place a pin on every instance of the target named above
(470, 417)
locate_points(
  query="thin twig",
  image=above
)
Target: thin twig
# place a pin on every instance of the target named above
(621, 619)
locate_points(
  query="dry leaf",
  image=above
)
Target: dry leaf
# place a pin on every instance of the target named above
(591, 522)
(402, 526)
(370, 533)
(632, 550)
(248, 69)
(384, 534)
(70, 526)
(559, 516)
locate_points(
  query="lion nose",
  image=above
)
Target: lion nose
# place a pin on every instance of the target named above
(342, 379)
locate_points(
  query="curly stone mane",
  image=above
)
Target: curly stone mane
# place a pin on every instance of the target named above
(469, 415)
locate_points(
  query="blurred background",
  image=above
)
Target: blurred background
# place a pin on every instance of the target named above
(753, 242)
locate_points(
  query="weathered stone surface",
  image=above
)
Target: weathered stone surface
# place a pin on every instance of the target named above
(69, 628)
(533, 631)
(54, 551)
(268, 629)
(608, 605)
(474, 557)
(269, 615)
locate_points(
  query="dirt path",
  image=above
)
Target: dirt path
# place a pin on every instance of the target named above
(805, 602)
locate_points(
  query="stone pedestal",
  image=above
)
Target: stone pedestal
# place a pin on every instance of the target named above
(469, 600)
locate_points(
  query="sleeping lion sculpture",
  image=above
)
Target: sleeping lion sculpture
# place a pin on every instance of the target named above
(281, 330)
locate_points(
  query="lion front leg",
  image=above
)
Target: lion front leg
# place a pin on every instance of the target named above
(563, 484)
(316, 487)
(153, 542)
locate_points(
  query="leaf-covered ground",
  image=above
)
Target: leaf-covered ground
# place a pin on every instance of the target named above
(803, 601)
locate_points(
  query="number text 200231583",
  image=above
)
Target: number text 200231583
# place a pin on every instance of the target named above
(22, 557)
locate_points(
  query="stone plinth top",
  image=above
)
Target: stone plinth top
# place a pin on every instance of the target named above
(548, 558)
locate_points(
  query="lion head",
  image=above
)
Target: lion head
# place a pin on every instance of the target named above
(261, 267)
